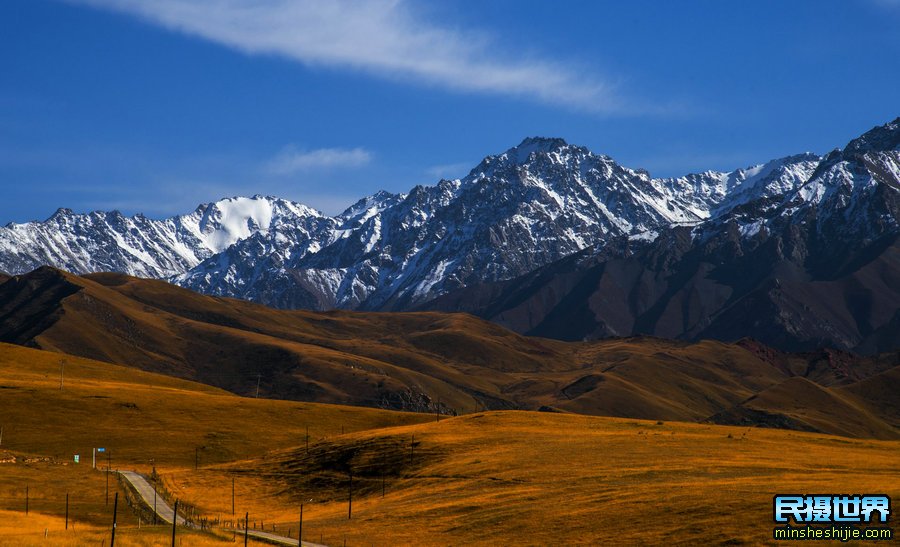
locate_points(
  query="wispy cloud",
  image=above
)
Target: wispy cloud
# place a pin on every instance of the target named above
(292, 160)
(888, 4)
(387, 38)
(140, 180)
(449, 170)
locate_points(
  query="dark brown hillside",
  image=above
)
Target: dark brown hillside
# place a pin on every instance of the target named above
(869, 408)
(695, 294)
(425, 361)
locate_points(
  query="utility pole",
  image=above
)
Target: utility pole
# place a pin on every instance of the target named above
(258, 379)
(246, 523)
(67, 510)
(350, 496)
(174, 521)
(62, 368)
(300, 532)
(112, 541)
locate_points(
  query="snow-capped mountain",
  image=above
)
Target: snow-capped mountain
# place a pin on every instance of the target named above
(514, 213)
(796, 266)
(140, 246)
(531, 205)
(851, 196)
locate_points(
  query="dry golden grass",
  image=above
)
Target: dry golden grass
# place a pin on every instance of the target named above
(493, 478)
(141, 416)
(143, 420)
(541, 479)
(39, 530)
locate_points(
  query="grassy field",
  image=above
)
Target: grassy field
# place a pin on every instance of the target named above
(492, 478)
(38, 530)
(544, 479)
(146, 419)
(143, 420)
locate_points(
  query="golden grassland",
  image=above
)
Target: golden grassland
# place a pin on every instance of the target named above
(144, 420)
(493, 478)
(40, 530)
(140, 416)
(544, 479)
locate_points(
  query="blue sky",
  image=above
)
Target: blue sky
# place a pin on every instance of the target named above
(155, 106)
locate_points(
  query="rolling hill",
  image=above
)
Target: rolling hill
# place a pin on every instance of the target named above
(431, 362)
(144, 421)
(130, 411)
(486, 478)
(495, 478)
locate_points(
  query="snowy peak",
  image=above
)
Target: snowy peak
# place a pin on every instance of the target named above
(883, 138)
(61, 213)
(222, 223)
(850, 195)
(528, 151)
(137, 245)
(712, 194)
(229, 220)
(517, 211)
(766, 181)
(879, 142)
(535, 145)
(368, 207)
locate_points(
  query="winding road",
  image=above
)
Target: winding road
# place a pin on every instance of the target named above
(165, 512)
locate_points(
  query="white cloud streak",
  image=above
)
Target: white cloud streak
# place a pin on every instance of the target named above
(386, 38)
(450, 169)
(292, 160)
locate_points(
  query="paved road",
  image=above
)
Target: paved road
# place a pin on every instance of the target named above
(145, 490)
(277, 539)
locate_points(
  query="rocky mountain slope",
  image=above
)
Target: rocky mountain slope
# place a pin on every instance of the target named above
(818, 265)
(517, 211)
(110, 241)
(766, 251)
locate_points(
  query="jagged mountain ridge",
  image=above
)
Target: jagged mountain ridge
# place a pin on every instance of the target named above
(517, 211)
(819, 265)
(145, 247)
(513, 214)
